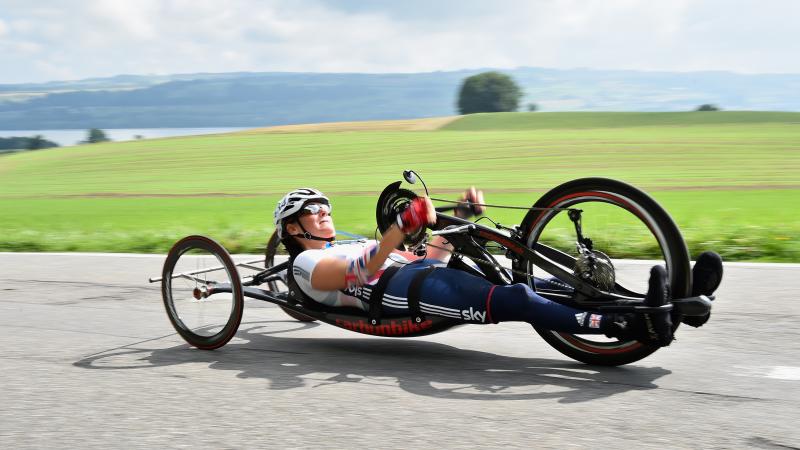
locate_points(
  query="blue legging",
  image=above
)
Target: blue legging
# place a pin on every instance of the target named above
(457, 294)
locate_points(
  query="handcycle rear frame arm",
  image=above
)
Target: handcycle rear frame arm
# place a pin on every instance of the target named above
(582, 291)
(584, 294)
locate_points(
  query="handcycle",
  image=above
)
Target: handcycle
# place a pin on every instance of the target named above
(573, 247)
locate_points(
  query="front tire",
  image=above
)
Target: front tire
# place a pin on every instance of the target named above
(204, 317)
(644, 231)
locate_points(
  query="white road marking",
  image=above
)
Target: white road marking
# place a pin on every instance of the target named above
(784, 373)
(791, 373)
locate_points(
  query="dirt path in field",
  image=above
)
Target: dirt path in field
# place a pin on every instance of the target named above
(365, 193)
(430, 124)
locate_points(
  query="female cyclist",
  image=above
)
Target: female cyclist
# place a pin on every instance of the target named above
(346, 274)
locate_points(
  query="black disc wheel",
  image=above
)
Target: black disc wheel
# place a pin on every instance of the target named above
(392, 201)
(628, 233)
(275, 286)
(202, 292)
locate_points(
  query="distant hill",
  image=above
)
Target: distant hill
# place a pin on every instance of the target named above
(593, 120)
(265, 99)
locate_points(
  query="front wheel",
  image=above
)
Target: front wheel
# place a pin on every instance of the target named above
(629, 233)
(202, 292)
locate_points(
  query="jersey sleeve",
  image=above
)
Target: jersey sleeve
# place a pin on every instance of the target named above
(303, 267)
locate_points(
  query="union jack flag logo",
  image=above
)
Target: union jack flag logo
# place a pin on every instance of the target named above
(594, 321)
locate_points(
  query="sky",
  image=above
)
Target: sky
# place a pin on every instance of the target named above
(44, 40)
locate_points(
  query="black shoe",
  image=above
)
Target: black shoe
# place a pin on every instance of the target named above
(651, 328)
(656, 328)
(706, 274)
(706, 277)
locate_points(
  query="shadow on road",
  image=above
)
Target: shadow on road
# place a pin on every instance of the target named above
(418, 367)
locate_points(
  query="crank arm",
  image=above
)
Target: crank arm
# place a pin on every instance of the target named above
(690, 306)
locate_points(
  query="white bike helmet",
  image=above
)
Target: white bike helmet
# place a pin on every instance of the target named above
(293, 202)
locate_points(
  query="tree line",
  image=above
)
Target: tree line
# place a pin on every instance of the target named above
(498, 92)
(38, 142)
(25, 143)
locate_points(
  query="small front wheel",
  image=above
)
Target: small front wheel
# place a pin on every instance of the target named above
(202, 292)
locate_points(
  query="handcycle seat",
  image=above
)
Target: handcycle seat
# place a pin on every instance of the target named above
(376, 312)
(310, 305)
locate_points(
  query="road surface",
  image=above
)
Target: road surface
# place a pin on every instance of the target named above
(90, 360)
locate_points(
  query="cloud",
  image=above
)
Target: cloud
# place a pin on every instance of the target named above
(105, 37)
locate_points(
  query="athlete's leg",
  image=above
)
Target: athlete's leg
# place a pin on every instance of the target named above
(457, 294)
(395, 298)
(519, 302)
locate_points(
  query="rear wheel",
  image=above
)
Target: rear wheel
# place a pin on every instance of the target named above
(202, 292)
(274, 286)
(630, 233)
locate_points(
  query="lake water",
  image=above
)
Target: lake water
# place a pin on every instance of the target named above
(71, 137)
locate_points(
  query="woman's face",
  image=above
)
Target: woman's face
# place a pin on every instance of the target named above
(320, 225)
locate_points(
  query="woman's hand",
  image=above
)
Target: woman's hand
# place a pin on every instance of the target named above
(467, 206)
(431, 211)
(440, 247)
(420, 212)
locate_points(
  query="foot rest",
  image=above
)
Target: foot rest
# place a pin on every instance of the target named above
(635, 309)
(693, 306)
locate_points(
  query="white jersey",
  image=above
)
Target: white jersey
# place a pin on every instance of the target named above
(303, 269)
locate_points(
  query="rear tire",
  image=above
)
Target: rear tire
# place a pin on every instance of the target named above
(623, 200)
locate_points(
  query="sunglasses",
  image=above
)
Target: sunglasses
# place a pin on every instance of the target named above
(315, 208)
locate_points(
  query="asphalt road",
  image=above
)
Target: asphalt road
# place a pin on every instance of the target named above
(89, 359)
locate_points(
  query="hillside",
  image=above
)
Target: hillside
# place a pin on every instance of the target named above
(267, 99)
(584, 120)
(729, 186)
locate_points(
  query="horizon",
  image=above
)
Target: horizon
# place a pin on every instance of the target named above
(469, 69)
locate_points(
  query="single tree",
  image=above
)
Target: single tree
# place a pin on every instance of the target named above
(707, 107)
(533, 107)
(488, 92)
(36, 142)
(96, 135)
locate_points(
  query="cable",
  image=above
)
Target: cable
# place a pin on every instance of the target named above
(531, 208)
(487, 218)
(490, 263)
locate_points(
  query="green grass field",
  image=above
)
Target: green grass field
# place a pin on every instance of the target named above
(731, 180)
